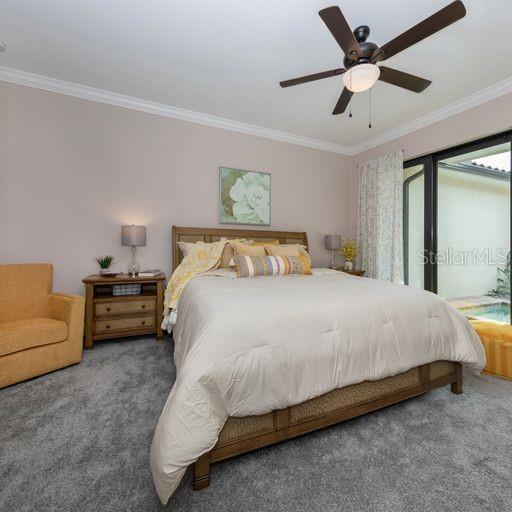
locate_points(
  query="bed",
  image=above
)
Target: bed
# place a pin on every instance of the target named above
(298, 368)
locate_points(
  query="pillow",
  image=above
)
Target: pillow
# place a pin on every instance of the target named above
(253, 266)
(227, 253)
(226, 260)
(288, 250)
(282, 250)
(268, 242)
(246, 249)
(186, 247)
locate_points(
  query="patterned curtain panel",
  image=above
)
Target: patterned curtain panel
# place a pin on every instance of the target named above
(379, 228)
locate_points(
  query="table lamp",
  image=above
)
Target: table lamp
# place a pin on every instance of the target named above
(333, 242)
(133, 236)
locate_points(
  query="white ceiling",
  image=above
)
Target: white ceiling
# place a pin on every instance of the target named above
(226, 57)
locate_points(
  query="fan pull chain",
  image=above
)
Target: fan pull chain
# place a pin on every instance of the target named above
(370, 121)
(350, 100)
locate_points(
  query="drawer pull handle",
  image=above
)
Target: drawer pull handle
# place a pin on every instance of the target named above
(107, 326)
(108, 309)
(143, 323)
(143, 306)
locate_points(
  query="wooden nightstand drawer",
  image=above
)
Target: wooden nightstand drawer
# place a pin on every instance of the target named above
(124, 307)
(118, 316)
(122, 324)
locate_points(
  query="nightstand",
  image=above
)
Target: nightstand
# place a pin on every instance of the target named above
(116, 316)
(354, 272)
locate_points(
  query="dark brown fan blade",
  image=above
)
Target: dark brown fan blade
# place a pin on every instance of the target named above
(405, 80)
(337, 24)
(441, 19)
(311, 78)
(343, 102)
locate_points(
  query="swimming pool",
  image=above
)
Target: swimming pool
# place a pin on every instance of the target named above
(497, 312)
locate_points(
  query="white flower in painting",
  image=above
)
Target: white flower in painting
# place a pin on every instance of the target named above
(252, 199)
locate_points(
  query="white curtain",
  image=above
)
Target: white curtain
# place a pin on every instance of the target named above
(379, 227)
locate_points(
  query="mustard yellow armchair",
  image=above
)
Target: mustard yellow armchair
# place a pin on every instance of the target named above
(40, 331)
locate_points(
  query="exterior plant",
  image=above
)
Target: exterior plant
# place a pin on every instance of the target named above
(502, 291)
(349, 250)
(105, 261)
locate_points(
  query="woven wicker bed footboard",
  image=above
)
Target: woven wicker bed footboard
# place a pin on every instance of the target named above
(241, 435)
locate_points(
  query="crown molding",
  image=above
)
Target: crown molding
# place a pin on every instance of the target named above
(473, 100)
(111, 98)
(120, 100)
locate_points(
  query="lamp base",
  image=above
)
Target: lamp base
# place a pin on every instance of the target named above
(333, 265)
(133, 267)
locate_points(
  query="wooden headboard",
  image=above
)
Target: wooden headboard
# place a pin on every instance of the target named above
(192, 235)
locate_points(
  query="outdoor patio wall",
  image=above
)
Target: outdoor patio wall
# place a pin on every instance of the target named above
(473, 215)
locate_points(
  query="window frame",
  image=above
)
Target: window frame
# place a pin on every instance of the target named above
(405, 227)
(430, 221)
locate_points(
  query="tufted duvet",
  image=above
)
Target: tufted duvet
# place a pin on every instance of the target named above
(248, 346)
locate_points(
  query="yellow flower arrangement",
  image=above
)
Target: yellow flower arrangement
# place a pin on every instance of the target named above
(349, 250)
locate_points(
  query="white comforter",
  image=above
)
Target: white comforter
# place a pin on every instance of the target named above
(248, 346)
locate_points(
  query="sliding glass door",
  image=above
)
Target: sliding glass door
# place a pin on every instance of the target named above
(473, 230)
(457, 226)
(414, 219)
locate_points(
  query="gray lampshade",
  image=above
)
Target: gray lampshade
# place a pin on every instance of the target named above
(333, 242)
(133, 235)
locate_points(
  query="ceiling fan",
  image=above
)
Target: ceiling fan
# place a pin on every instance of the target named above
(361, 72)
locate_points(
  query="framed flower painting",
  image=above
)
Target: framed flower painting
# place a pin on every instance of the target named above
(244, 197)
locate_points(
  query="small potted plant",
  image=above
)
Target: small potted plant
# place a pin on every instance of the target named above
(104, 262)
(349, 252)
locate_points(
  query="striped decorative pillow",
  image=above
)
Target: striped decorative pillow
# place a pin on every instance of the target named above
(253, 266)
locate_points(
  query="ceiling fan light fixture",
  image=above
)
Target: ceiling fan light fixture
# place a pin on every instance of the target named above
(361, 77)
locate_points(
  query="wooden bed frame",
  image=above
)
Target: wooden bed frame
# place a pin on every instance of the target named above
(242, 435)
(215, 234)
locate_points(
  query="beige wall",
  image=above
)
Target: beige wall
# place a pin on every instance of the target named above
(72, 171)
(473, 216)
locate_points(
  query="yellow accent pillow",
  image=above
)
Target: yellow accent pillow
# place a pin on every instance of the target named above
(241, 249)
(282, 250)
(227, 260)
(187, 248)
(288, 250)
(268, 242)
(227, 253)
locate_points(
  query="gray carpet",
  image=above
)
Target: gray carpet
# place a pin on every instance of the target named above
(78, 439)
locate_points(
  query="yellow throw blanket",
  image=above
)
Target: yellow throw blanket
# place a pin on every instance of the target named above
(204, 257)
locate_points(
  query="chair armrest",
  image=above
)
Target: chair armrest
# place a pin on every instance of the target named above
(65, 307)
(70, 309)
